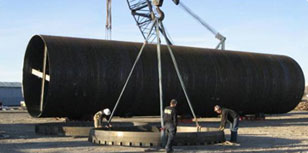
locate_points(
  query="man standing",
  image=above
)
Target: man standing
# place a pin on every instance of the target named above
(170, 122)
(228, 115)
(99, 116)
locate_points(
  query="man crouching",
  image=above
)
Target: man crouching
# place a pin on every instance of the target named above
(99, 117)
(228, 115)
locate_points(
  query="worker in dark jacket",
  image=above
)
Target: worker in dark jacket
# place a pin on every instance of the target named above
(228, 115)
(170, 123)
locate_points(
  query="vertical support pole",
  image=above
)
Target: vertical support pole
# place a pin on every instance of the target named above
(223, 45)
(43, 79)
(160, 78)
(108, 20)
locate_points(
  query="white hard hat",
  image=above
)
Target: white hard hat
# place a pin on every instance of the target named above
(107, 111)
(217, 107)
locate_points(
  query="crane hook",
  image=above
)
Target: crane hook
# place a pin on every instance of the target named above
(161, 16)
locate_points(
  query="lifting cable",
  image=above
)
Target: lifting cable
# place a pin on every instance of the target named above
(129, 75)
(179, 75)
(157, 24)
(159, 74)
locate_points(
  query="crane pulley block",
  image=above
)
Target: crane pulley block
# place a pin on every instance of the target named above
(158, 3)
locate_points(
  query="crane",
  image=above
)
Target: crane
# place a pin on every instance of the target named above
(141, 11)
(149, 17)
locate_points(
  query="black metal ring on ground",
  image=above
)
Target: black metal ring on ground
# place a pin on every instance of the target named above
(149, 136)
(64, 129)
(76, 128)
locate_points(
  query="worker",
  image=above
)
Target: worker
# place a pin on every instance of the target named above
(170, 124)
(228, 115)
(99, 116)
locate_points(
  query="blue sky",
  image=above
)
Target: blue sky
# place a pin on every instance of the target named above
(265, 26)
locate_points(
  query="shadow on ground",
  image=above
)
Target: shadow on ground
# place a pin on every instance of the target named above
(249, 144)
(16, 147)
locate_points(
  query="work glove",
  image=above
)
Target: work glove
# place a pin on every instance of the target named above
(221, 128)
(199, 128)
(108, 126)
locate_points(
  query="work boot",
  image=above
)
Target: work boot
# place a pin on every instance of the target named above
(169, 150)
(233, 137)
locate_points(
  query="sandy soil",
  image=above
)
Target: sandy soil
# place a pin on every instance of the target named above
(278, 133)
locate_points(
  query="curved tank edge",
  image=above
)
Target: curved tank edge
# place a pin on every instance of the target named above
(32, 113)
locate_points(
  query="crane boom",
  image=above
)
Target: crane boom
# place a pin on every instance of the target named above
(219, 36)
(143, 13)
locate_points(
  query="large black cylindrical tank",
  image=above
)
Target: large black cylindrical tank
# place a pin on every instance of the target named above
(86, 75)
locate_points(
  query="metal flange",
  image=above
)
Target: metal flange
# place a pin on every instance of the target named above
(149, 136)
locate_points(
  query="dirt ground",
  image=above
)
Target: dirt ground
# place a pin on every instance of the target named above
(278, 133)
